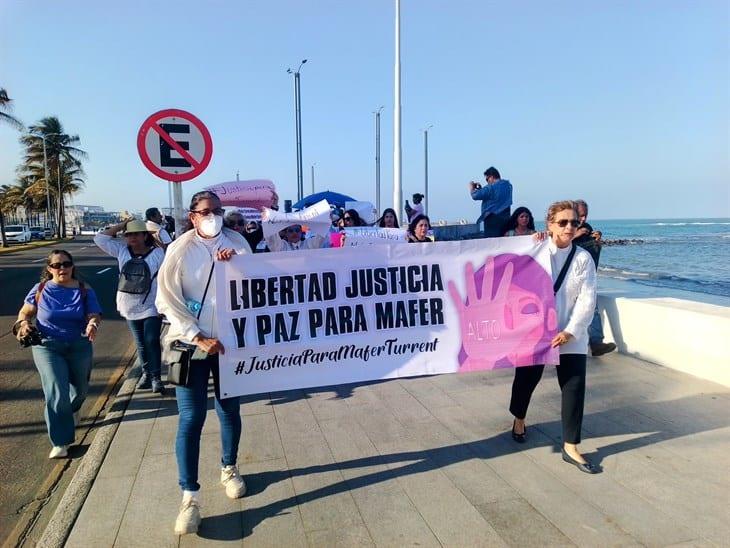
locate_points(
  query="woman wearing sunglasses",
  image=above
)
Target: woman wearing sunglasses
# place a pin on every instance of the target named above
(575, 300)
(67, 315)
(187, 297)
(137, 304)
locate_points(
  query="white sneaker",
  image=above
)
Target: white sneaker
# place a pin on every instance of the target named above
(235, 486)
(58, 452)
(188, 519)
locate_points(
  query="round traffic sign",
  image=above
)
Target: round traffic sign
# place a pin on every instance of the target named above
(174, 145)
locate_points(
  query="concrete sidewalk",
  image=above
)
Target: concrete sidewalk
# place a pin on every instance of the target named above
(429, 461)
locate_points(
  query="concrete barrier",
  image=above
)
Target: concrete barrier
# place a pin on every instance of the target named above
(667, 328)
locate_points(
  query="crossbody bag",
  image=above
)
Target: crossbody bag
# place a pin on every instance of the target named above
(180, 354)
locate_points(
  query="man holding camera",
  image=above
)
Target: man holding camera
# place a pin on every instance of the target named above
(496, 198)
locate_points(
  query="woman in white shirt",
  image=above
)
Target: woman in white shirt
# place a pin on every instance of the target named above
(187, 297)
(139, 308)
(574, 301)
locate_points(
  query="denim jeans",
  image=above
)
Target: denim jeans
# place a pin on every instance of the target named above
(65, 367)
(595, 329)
(146, 333)
(192, 409)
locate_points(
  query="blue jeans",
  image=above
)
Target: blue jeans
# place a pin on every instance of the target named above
(65, 367)
(192, 408)
(595, 329)
(146, 333)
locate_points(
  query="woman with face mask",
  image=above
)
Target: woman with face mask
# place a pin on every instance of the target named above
(190, 307)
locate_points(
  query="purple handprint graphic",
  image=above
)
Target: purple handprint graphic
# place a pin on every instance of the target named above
(507, 323)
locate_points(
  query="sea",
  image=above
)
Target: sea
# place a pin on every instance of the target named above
(687, 254)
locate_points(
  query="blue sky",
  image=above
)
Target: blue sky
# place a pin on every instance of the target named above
(625, 104)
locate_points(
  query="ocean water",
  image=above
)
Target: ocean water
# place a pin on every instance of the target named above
(687, 254)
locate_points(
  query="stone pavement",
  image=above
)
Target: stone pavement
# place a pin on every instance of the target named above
(429, 461)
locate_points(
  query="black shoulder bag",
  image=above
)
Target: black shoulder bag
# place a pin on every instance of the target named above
(181, 353)
(564, 271)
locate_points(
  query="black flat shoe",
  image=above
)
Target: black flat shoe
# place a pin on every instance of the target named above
(519, 438)
(588, 468)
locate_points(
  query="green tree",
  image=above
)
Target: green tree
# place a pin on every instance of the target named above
(5, 108)
(64, 164)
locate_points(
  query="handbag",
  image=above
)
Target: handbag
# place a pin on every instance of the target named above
(180, 354)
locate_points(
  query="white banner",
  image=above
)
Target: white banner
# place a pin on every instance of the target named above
(316, 217)
(374, 235)
(335, 316)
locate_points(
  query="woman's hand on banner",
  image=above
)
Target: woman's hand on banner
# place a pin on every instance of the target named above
(225, 254)
(209, 346)
(561, 338)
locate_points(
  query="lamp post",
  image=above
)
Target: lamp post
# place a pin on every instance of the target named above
(425, 167)
(397, 168)
(298, 129)
(314, 164)
(377, 159)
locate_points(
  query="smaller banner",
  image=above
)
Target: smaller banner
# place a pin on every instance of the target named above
(374, 235)
(366, 210)
(316, 217)
(254, 194)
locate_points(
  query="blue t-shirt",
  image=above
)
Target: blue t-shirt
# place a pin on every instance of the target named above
(61, 312)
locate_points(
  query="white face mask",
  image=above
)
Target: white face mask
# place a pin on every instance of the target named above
(210, 225)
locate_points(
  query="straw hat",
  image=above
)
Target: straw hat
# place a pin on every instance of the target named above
(135, 226)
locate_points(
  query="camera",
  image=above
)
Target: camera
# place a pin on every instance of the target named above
(31, 339)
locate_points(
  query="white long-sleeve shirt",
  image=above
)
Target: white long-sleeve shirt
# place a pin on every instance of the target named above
(130, 306)
(576, 298)
(276, 243)
(182, 280)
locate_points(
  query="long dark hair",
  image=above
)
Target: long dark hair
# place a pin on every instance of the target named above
(511, 223)
(45, 275)
(195, 199)
(381, 221)
(356, 219)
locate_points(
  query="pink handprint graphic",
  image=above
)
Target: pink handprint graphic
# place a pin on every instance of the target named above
(507, 326)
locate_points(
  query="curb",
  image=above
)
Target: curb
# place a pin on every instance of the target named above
(68, 509)
(25, 247)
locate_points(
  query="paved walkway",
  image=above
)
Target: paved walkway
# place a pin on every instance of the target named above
(427, 461)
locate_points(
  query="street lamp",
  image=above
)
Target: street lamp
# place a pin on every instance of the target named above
(314, 164)
(377, 159)
(298, 123)
(425, 166)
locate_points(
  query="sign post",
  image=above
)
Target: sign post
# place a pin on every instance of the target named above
(176, 146)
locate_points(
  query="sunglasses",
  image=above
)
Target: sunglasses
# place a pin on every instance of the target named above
(562, 223)
(293, 229)
(132, 234)
(348, 218)
(206, 212)
(64, 264)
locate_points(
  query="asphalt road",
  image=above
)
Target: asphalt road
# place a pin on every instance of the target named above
(24, 444)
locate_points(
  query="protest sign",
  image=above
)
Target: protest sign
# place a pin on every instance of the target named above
(334, 316)
(365, 210)
(374, 235)
(316, 217)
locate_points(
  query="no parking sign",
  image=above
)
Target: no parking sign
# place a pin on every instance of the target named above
(174, 145)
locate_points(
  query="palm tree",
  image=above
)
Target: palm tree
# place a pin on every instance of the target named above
(5, 107)
(64, 162)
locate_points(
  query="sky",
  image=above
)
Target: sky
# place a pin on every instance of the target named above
(624, 104)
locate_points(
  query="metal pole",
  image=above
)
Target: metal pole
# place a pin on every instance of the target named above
(397, 168)
(377, 160)
(179, 214)
(300, 174)
(48, 187)
(296, 128)
(170, 184)
(425, 167)
(312, 178)
(60, 198)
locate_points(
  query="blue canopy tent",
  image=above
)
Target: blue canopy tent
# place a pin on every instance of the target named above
(333, 198)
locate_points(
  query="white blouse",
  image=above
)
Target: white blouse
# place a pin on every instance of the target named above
(576, 298)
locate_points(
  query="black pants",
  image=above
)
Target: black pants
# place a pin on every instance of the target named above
(572, 379)
(494, 223)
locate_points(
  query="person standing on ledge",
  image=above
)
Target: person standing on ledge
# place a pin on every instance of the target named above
(591, 240)
(496, 198)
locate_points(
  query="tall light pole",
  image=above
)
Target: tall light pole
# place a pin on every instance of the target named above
(314, 164)
(377, 159)
(298, 129)
(397, 170)
(425, 167)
